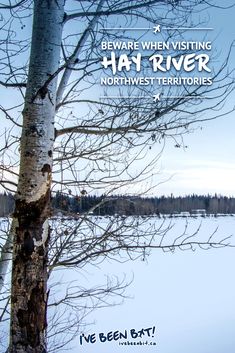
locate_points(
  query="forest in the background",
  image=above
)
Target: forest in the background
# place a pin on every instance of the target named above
(131, 205)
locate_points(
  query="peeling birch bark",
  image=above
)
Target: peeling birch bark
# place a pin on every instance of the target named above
(30, 245)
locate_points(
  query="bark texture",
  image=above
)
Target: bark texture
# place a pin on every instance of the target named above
(29, 273)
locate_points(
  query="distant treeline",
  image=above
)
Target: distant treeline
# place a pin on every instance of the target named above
(6, 204)
(130, 205)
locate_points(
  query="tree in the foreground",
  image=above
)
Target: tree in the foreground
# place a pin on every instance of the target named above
(72, 141)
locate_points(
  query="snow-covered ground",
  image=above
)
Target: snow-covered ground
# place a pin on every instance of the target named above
(188, 296)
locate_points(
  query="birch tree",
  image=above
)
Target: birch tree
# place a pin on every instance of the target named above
(29, 269)
(89, 144)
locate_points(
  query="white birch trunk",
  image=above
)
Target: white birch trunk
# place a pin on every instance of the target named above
(6, 255)
(30, 245)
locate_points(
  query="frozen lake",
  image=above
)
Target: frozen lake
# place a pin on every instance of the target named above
(188, 296)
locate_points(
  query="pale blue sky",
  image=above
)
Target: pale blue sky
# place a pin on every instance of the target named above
(208, 164)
